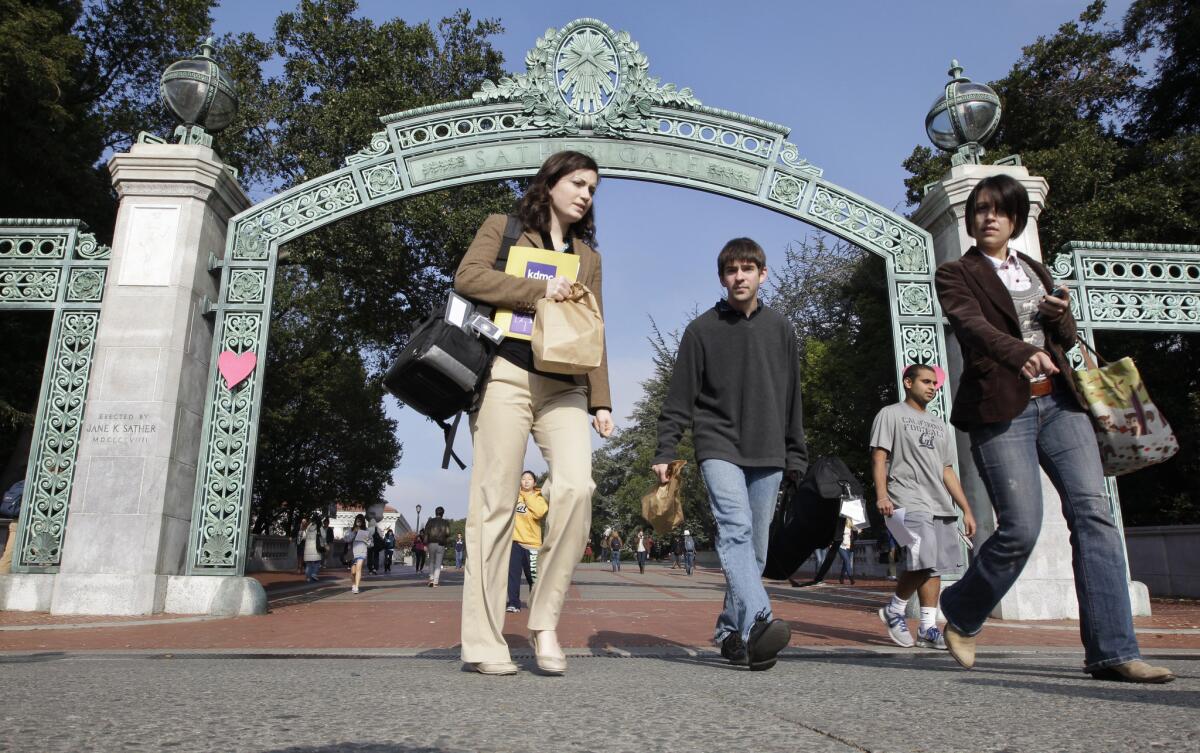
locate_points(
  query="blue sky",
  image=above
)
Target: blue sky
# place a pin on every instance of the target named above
(853, 80)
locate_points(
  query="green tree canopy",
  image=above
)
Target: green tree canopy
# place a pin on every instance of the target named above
(78, 79)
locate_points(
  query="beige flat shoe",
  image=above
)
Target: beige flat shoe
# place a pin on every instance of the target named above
(495, 667)
(551, 664)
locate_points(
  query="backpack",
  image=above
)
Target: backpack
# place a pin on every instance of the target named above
(10, 506)
(808, 518)
(443, 366)
(437, 531)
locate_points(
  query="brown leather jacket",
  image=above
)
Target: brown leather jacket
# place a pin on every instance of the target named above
(981, 312)
(478, 279)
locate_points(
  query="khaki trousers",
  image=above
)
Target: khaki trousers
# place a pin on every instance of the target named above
(515, 403)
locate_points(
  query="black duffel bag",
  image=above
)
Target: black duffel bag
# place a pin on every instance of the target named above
(808, 517)
(443, 366)
(440, 370)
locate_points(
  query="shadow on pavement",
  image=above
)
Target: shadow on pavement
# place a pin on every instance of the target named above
(1098, 690)
(810, 632)
(612, 642)
(45, 656)
(357, 748)
(1074, 683)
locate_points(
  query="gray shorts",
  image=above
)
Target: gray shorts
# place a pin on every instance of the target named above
(940, 549)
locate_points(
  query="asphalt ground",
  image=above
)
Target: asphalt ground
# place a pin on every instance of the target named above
(666, 701)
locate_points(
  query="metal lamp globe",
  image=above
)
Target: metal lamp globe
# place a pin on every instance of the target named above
(199, 94)
(963, 117)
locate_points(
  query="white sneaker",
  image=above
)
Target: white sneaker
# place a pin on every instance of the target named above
(897, 627)
(931, 638)
(353, 589)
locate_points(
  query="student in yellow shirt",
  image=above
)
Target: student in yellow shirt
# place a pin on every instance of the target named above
(527, 538)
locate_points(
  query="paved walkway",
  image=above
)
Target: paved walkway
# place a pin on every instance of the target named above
(328, 671)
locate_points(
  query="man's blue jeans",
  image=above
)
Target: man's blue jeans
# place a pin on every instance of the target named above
(1054, 433)
(689, 561)
(743, 503)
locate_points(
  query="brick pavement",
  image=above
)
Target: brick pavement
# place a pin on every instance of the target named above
(604, 611)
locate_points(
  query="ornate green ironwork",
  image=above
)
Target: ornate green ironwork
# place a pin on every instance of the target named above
(54, 265)
(1129, 286)
(1142, 286)
(586, 88)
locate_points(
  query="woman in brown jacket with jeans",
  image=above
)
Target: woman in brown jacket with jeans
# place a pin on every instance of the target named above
(1017, 402)
(517, 400)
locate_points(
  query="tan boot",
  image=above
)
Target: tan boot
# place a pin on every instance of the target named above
(1135, 671)
(961, 647)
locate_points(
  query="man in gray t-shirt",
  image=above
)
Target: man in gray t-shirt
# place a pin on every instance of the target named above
(912, 464)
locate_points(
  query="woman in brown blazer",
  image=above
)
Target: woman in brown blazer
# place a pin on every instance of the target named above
(1019, 405)
(517, 400)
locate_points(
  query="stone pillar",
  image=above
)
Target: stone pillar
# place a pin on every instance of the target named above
(131, 507)
(1046, 588)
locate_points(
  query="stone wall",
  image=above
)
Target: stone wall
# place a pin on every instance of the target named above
(1166, 559)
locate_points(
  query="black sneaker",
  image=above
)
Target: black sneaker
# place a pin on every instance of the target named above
(733, 649)
(767, 639)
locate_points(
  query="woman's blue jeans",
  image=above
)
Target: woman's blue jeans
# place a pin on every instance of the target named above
(1055, 434)
(616, 560)
(312, 568)
(743, 503)
(847, 557)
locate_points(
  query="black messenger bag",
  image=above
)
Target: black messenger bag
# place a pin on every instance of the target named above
(808, 518)
(439, 371)
(443, 366)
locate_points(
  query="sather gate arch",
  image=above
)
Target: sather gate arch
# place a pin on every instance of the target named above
(586, 88)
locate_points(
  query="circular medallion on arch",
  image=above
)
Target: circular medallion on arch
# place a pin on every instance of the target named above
(587, 68)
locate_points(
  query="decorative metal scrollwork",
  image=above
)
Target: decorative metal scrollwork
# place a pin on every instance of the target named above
(53, 457)
(382, 180)
(790, 156)
(225, 474)
(1143, 307)
(916, 299)
(379, 146)
(29, 284)
(296, 212)
(85, 285)
(586, 76)
(920, 343)
(86, 247)
(1063, 267)
(247, 286)
(787, 190)
(872, 228)
(33, 246)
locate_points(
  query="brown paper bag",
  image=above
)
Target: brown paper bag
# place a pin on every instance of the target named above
(662, 507)
(568, 336)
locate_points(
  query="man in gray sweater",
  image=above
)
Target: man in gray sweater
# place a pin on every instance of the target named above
(737, 383)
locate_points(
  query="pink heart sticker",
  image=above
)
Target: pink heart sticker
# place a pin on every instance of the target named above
(235, 367)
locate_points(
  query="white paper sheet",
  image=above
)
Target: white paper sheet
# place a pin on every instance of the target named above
(903, 536)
